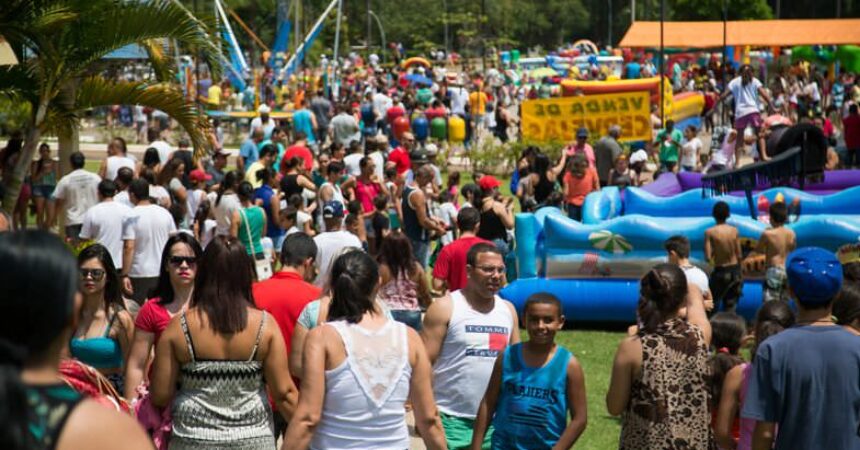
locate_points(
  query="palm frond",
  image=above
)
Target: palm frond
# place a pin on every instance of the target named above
(97, 91)
(135, 23)
(163, 65)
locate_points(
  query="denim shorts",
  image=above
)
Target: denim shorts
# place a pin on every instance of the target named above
(43, 190)
(410, 318)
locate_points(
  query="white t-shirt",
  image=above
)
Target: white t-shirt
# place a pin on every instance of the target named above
(379, 159)
(223, 212)
(301, 218)
(114, 163)
(329, 245)
(163, 148)
(351, 161)
(267, 129)
(160, 194)
(381, 103)
(459, 98)
(122, 198)
(103, 224)
(80, 192)
(690, 152)
(746, 97)
(696, 276)
(149, 226)
(448, 214)
(195, 198)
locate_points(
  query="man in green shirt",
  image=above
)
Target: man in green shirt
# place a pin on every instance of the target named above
(669, 140)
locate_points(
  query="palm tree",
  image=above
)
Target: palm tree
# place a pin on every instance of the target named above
(59, 45)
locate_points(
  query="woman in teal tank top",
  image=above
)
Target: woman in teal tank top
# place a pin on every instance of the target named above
(103, 337)
(251, 220)
(44, 181)
(534, 385)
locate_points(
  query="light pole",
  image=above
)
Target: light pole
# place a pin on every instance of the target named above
(381, 32)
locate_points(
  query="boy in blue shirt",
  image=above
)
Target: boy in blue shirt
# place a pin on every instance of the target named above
(804, 390)
(533, 387)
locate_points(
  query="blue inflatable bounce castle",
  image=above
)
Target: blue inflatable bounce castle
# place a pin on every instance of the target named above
(594, 267)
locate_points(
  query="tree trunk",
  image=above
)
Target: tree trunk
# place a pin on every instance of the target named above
(69, 141)
(25, 159)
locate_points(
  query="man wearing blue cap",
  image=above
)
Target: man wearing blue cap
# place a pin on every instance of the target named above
(804, 391)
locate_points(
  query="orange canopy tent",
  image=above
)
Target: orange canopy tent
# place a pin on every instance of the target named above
(758, 33)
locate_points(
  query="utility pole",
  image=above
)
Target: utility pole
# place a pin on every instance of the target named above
(632, 11)
(662, 63)
(368, 28)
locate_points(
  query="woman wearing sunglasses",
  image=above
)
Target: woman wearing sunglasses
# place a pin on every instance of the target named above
(103, 337)
(170, 297)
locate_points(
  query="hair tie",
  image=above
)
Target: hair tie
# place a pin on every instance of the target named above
(723, 350)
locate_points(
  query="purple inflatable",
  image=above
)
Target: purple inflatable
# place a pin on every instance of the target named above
(669, 184)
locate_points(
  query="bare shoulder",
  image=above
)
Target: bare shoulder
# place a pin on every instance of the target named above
(85, 426)
(440, 310)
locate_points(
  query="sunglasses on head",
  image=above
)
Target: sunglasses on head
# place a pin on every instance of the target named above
(178, 260)
(95, 274)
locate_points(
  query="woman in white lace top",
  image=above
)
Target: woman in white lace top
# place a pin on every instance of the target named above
(360, 368)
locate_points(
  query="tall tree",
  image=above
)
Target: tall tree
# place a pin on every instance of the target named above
(60, 43)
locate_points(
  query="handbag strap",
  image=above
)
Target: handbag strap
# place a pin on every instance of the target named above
(247, 229)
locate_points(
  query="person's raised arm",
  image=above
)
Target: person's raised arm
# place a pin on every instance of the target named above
(135, 366)
(696, 314)
(309, 410)
(577, 403)
(487, 408)
(622, 375)
(728, 408)
(435, 326)
(560, 166)
(427, 419)
(275, 365)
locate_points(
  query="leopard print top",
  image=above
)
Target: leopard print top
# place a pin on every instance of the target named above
(668, 407)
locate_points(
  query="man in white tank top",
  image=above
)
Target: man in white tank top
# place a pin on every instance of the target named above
(464, 332)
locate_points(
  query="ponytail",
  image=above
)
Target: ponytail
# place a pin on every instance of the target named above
(13, 399)
(354, 277)
(662, 291)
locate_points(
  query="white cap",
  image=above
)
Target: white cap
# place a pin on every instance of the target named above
(431, 149)
(638, 156)
(264, 109)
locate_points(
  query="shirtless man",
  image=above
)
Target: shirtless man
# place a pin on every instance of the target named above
(723, 250)
(776, 243)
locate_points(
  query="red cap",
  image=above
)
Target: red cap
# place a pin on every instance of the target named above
(199, 175)
(488, 182)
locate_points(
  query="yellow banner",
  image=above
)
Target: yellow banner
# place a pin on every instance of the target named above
(557, 119)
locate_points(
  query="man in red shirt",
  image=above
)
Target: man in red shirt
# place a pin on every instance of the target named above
(399, 157)
(299, 149)
(450, 269)
(285, 295)
(851, 124)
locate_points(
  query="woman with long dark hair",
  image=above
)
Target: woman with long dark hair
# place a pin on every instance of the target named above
(216, 361)
(659, 381)
(38, 410)
(170, 297)
(226, 202)
(249, 222)
(151, 160)
(362, 359)
(404, 288)
(103, 336)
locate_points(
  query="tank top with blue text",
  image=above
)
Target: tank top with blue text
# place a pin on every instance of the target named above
(531, 412)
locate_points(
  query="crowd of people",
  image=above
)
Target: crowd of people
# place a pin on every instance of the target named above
(340, 274)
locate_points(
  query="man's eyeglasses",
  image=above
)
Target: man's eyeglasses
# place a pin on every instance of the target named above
(178, 260)
(95, 274)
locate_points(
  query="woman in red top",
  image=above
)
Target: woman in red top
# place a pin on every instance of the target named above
(579, 181)
(170, 297)
(367, 187)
